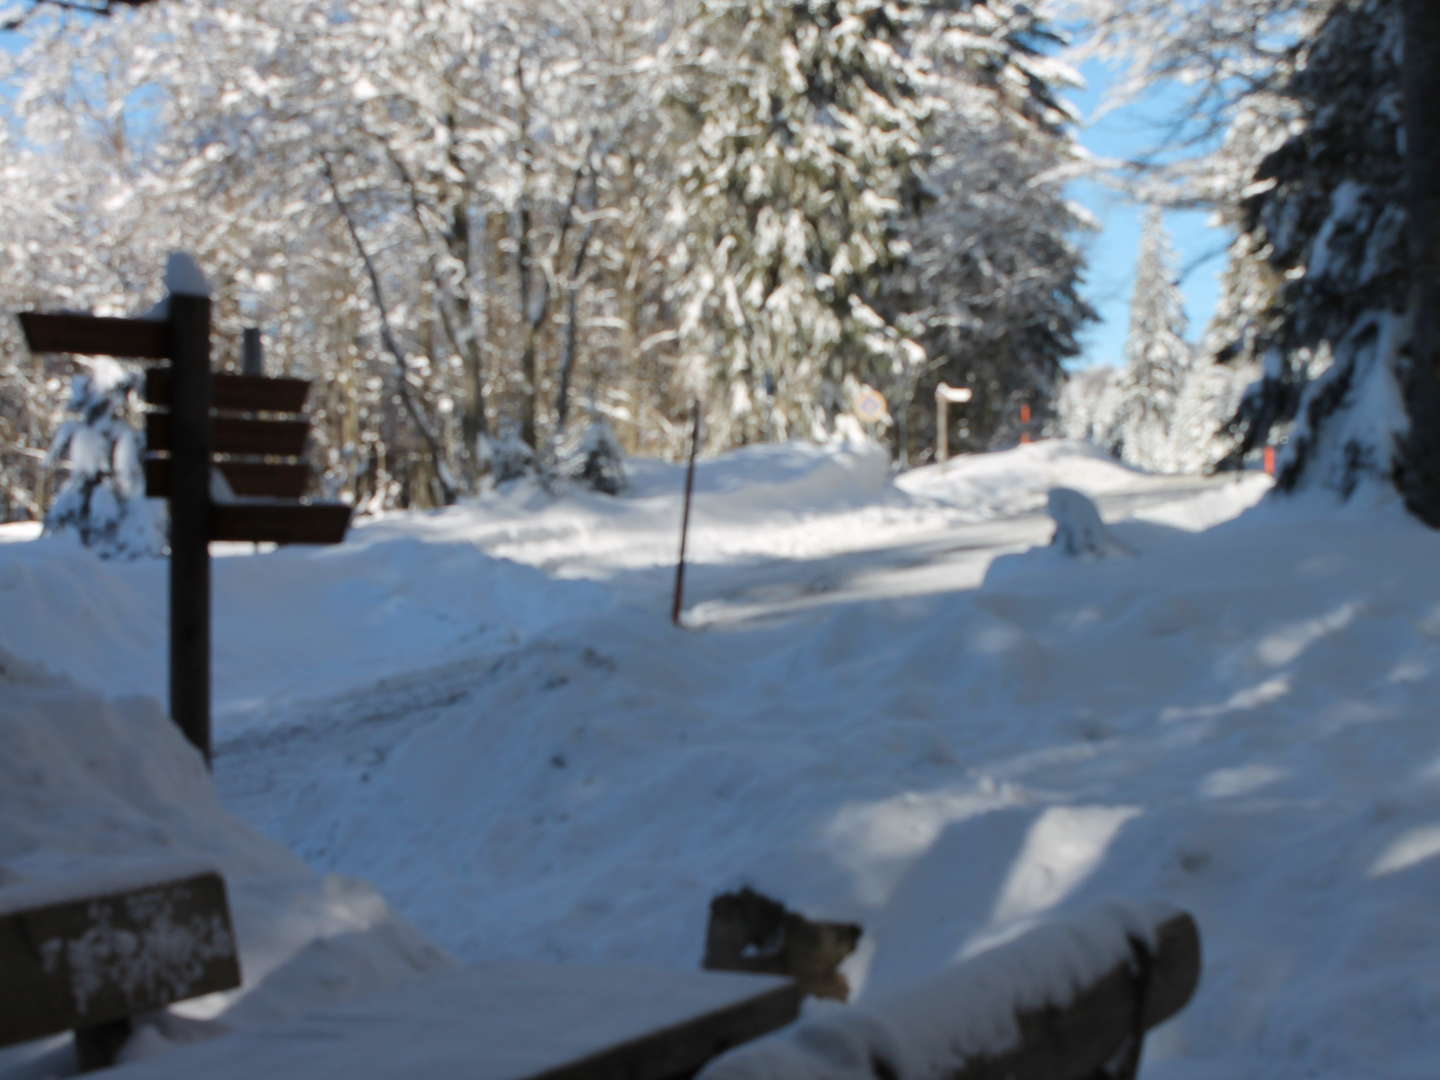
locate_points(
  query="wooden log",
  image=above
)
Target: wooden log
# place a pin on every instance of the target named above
(89, 963)
(278, 480)
(233, 435)
(187, 434)
(96, 335)
(280, 523)
(237, 393)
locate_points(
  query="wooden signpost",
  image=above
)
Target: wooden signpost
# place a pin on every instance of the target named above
(245, 428)
(945, 396)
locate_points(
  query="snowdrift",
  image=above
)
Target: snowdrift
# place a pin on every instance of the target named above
(527, 761)
(91, 787)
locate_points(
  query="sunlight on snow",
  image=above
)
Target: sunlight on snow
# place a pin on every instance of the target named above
(878, 842)
(1286, 644)
(1410, 848)
(1065, 845)
(1240, 780)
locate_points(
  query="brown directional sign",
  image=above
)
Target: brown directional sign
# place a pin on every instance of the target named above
(236, 393)
(280, 522)
(281, 480)
(96, 335)
(232, 435)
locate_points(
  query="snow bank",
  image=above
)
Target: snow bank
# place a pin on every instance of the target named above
(98, 793)
(531, 763)
(1016, 481)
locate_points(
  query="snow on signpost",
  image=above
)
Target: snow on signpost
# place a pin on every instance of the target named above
(946, 395)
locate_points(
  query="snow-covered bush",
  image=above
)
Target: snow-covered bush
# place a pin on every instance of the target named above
(506, 455)
(103, 500)
(594, 459)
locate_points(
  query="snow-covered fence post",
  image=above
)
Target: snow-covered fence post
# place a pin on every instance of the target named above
(1079, 530)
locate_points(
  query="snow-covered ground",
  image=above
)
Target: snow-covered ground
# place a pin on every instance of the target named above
(885, 707)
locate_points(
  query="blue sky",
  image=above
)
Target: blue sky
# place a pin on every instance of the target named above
(1131, 131)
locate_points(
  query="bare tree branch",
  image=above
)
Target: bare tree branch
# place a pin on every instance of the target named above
(102, 8)
(387, 335)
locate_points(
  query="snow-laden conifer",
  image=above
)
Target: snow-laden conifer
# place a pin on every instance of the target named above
(1322, 280)
(995, 269)
(803, 126)
(103, 499)
(1157, 356)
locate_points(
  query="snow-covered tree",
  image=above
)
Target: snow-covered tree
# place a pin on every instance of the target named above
(1323, 131)
(995, 268)
(1157, 356)
(595, 459)
(1417, 469)
(1089, 407)
(804, 125)
(103, 499)
(1324, 219)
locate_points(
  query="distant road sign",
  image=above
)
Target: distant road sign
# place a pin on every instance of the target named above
(870, 405)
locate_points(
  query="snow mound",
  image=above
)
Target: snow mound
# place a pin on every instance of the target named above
(97, 792)
(1016, 481)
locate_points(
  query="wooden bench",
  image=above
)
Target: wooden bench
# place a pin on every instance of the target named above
(1068, 1001)
(513, 1021)
(88, 960)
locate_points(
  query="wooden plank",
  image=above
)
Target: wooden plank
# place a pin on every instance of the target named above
(96, 335)
(238, 393)
(65, 965)
(278, 480)
(280, 523)
(234, 435)
(516, 1021)
(680, 1050)
(188, 434)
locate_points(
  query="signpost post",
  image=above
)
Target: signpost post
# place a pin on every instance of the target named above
(944, 396)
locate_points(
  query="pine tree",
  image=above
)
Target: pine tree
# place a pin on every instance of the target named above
(804, 125)
(1157, 357)
(996, 265)
(1417, 472)
(103, 500)
(1324, 218)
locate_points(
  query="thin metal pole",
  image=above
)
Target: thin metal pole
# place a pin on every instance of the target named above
(685, 520)
(190, 518)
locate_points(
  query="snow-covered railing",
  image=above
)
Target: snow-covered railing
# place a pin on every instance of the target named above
(89, 956)
(1066, 1001)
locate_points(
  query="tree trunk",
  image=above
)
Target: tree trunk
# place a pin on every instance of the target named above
(1418, 471)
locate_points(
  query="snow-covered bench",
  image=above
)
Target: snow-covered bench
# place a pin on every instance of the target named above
(510, 1021)
(89, 955)
(1067, 1001)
